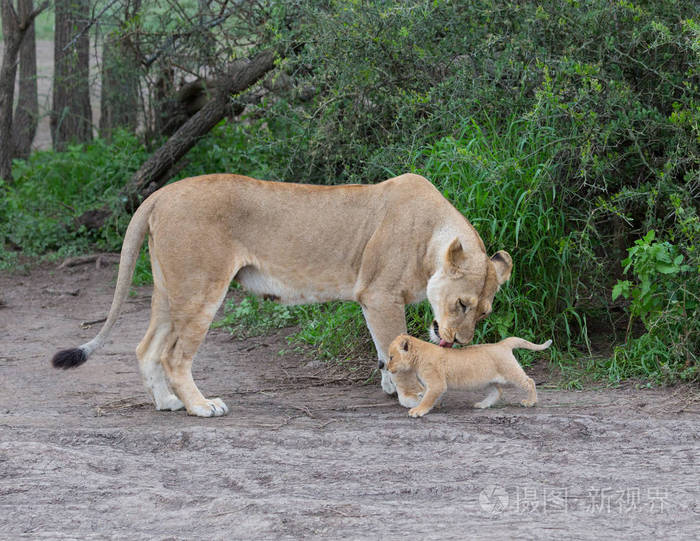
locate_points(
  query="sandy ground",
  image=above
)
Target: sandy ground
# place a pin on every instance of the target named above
(304, 453)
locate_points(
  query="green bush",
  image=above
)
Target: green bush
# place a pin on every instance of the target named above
(665, 296)
(50, 190)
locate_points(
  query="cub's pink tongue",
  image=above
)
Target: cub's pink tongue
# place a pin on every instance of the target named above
(445, 343)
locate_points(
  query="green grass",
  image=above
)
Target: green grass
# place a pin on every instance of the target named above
(503, 183)
(253, 316)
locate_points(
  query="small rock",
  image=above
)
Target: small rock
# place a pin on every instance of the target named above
(314, 364)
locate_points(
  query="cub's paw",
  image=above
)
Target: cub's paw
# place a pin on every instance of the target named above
(170, 402)
(209, 408)
(417, 412)
(482, 405)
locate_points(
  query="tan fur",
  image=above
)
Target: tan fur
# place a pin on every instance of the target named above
(384, 246)
(474, 367)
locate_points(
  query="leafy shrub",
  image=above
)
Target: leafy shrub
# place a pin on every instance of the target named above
(51, 189)
(665, 296)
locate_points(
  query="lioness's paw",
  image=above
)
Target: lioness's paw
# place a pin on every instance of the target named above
(170, 402)
(388, 385)
(482, 405)
(210, 408)
(528, 403)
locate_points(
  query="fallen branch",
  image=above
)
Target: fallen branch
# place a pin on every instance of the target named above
(84, 259)
(88, 324)
(154, 172)
(71, 292)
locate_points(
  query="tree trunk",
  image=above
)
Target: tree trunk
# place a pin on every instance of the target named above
(13, 27)
(12, 40)
(154, 172)
(119, 100)
(27, 109)
(71, 117)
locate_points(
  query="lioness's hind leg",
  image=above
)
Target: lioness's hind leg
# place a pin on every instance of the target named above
(150, 351)
(191, 320)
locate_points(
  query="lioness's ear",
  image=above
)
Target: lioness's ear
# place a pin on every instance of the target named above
(404, 344)
(455, 254)
(503, 264)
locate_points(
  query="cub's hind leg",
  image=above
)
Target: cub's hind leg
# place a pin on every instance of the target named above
(491, 398)
(150, 351)
(528, 384)
(518, 377)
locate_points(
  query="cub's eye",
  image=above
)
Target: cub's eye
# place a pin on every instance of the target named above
(391, 357)
(462, 305)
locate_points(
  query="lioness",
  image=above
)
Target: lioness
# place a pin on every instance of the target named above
(483, 366)
(383, 245)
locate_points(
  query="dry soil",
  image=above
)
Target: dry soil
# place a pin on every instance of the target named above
(303, 453)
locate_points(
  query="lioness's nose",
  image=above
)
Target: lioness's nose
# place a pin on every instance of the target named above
(381, 364)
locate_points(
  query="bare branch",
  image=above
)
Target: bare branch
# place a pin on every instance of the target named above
(89, 25)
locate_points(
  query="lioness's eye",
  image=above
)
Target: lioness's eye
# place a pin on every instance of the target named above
(462, 305)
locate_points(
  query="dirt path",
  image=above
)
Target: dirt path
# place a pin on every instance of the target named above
(83, 455)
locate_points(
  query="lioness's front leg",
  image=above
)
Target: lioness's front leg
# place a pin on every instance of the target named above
(386, 320)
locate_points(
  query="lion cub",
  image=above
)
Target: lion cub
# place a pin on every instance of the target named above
(473, 367)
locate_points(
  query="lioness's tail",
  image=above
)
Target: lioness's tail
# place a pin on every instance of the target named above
(518, 343)
(138, 226)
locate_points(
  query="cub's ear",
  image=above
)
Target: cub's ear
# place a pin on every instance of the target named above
(405, 344)
(503, 264)
(455, 256)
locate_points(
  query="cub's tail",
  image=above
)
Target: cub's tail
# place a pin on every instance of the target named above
(518, 343)
(70, 358)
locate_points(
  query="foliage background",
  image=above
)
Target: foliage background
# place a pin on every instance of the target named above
(564, 130)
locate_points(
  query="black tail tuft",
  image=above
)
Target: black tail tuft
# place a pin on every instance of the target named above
(69, 358)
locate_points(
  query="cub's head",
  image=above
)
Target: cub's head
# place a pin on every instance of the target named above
(461, 292)
(400, 354)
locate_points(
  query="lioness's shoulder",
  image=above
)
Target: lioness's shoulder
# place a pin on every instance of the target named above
(408, 180)
(412, 185)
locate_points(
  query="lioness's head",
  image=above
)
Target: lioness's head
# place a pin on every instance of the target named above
(461, 292)
(399, 357)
